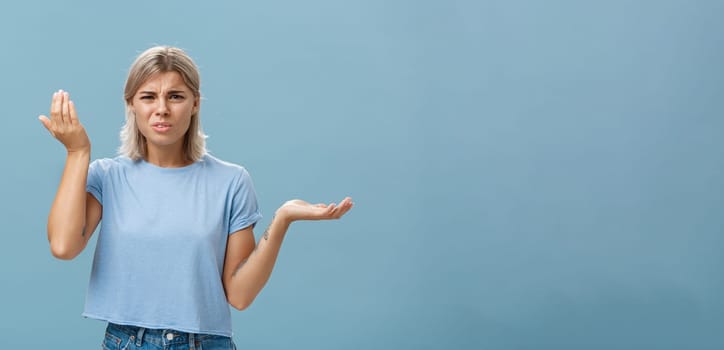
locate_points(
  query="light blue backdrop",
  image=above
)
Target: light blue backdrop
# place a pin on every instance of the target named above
(527, 174)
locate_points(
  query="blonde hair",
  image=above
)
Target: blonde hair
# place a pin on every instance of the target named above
(161, 59)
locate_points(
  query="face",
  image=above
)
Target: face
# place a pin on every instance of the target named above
(163, 106)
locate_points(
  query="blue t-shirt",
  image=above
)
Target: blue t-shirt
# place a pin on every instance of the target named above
(162, 242)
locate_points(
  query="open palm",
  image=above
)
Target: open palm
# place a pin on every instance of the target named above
(298, 209)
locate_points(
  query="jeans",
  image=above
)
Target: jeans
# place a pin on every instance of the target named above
(120, 337)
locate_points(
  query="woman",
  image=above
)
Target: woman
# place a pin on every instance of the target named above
(177, 243)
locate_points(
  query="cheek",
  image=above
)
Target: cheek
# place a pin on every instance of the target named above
(188, 115)
(141, 111)
(187, 125)
(139, 120)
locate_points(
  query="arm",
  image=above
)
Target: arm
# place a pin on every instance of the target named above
(74, 213)
(248, 265)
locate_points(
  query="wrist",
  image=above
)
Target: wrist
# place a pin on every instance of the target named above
(283, 217)
(79, 152)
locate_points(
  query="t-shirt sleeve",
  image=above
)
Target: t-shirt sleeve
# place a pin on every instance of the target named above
(94, 184)
(244, 206)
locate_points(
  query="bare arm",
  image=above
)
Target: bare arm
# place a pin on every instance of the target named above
(74, 213)
(248, 265)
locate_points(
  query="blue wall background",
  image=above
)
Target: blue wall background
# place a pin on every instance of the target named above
(527, 174)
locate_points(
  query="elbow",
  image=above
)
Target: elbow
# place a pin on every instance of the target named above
(62, 254)
(240, 303)
(62, 251)
(240, 306)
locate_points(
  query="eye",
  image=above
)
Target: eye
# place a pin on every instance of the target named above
(146, 97)
(176, 97)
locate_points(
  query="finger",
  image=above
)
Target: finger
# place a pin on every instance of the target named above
(55, 107)
(73, 113)
(343, 208)
(47, 124)
(65, 109)
(345, 201)
(334, 213)
(45, 121)
(338, 212)
(326, 211)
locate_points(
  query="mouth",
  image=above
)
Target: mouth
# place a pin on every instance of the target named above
(160, 127)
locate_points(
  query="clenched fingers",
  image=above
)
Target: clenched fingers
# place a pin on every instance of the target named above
(63, 123)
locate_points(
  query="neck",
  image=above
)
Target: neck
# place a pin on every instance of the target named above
(172, 157)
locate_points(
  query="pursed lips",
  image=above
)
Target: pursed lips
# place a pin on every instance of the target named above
(160, 126)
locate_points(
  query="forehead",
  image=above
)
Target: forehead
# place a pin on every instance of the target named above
(164, 81)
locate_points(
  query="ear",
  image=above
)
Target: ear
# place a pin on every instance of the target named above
(197, 104)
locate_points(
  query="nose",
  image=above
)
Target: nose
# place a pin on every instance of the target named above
(162, 107)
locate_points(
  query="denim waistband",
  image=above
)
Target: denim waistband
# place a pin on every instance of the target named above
(158, 337)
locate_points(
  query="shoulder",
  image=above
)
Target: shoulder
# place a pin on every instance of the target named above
(109, 164)
(231, 174)
(223, 167)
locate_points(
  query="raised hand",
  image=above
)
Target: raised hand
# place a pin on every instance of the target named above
(64, 125)
(298, 209)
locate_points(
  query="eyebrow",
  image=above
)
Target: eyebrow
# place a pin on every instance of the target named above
(167, 92)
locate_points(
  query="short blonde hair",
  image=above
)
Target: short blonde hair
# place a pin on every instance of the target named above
(161, 59)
